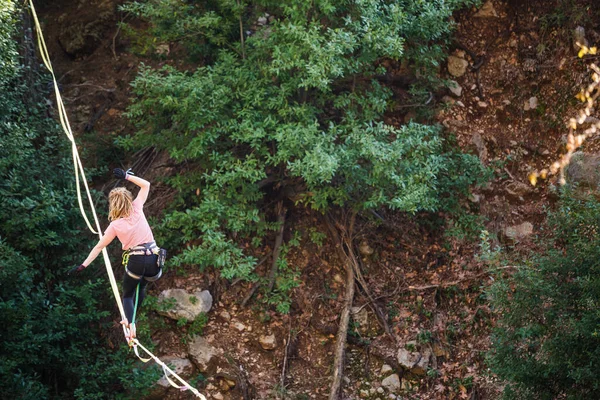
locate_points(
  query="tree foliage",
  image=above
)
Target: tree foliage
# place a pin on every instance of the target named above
(52, 330)
(546, 344)
(295, 111)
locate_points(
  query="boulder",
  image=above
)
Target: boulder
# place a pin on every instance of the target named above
(392, 383)
(584, 170)
(185, 305)
(457, 66)
(202, 353)
(181, 366)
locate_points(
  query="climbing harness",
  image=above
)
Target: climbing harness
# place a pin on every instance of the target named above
(78, 167)
(145, 249)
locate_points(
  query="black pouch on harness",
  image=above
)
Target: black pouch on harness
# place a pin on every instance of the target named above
(162, 256)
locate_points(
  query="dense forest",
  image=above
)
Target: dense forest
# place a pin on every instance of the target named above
(360, 199)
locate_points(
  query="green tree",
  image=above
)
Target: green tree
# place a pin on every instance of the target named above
(547, 341)
(297, 113)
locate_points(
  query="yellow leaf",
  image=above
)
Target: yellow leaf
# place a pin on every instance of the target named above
(582, 53)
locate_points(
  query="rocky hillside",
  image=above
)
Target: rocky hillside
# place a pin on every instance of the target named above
(422, 328)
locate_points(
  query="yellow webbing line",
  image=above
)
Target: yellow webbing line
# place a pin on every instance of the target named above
(78, 166)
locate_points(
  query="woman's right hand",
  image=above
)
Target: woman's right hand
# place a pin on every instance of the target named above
(78, 268)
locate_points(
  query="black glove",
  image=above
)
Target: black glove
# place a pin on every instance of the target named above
(78, 268)
(119, 173)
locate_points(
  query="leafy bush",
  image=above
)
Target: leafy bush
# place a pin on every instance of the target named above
(295, 113)
(546, 344)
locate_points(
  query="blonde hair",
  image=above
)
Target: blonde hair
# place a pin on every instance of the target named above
(119, 203)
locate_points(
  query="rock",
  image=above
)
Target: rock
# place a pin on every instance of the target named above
(584, 170)
(262, 21)
(225, 315)
(421, 367)
(267, 342)
(482, 104)
(186, 305)
(519, 232)
(392, 383)
(486, 11)
(385, 369)
(181, 366)
(579, 37)
(408, 359)
(455, 88)
(239, 326)
(414, 361)
(202, 353)
(477, 140)
(518, 189)
(531, 104)
(380, 390)
(365, 249)
(360, 316)
(217, 396)
(457, 66)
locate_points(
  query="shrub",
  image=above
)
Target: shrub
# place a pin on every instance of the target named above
(546, 344)
(295, 113)
(53, 330)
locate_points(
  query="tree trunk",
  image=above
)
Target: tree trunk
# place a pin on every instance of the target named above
(345, 249)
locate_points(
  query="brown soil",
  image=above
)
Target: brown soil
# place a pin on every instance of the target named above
(521, 58)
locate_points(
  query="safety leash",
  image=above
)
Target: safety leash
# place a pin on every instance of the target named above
(80, 175)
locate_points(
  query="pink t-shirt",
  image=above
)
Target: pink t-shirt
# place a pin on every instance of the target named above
(133, 230)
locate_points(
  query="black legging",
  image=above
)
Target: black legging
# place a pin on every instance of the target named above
(139, 265)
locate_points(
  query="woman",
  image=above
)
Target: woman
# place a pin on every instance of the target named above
(140, 257)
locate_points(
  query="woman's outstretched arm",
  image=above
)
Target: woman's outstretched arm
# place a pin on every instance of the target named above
(102, 243)
(142, 183)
